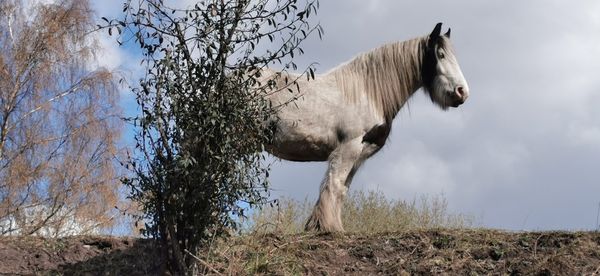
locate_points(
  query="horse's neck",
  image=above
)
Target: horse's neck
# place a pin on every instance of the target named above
(389, 75)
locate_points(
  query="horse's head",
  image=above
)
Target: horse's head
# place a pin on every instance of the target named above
(442, 77)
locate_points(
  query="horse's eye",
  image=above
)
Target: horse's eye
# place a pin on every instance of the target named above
(441, 55)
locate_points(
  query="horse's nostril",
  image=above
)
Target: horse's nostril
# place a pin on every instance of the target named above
(460, 91)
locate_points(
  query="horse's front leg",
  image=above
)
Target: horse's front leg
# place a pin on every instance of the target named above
(343, 162)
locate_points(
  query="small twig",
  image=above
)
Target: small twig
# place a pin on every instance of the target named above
(282, 245)
(413, 251)
(265, 225)
(598, 218)
(326, 243)
(203, 263)
(298, 239)
(535, 245)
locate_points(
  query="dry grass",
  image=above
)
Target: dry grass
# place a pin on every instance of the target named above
(412, 252)
(386, 238)
(364, 212)
(426, 251)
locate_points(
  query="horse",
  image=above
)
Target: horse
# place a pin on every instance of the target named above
(345, 115)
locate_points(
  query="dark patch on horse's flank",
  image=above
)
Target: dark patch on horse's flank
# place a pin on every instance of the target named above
(340, 134)
(377, 135)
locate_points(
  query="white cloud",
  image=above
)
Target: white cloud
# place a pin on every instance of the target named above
(585, 136)
(415, 171)
(110, 56)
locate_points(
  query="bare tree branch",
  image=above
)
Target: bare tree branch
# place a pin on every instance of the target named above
(59, 123)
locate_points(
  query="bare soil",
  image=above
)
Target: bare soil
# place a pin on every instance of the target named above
(417, 252)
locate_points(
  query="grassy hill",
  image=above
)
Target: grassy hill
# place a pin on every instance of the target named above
(434, 251)
(386, 237)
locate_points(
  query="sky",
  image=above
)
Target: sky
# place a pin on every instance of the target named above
(523, 153)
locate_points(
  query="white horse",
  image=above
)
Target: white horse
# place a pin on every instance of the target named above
(345, 115)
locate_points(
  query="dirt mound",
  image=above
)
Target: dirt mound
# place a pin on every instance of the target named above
(82, 255)
(464, 252)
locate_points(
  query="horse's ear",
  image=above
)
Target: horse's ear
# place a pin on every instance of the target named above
(447, 34)
(435, 34)
(436, 31)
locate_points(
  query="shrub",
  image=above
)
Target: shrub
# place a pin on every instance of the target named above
(202, 125)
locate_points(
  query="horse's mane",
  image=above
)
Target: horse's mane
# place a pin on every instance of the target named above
(388, 75)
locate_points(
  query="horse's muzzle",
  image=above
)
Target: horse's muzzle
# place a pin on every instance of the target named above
(459, 96)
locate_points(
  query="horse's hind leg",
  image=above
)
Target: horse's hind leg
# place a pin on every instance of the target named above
(343, 163)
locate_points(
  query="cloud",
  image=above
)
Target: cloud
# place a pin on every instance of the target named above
(586, 136)
(416, 171)
(109, 55)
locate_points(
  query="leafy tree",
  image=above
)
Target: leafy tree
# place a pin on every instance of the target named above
(202, 126)
(59, 122)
